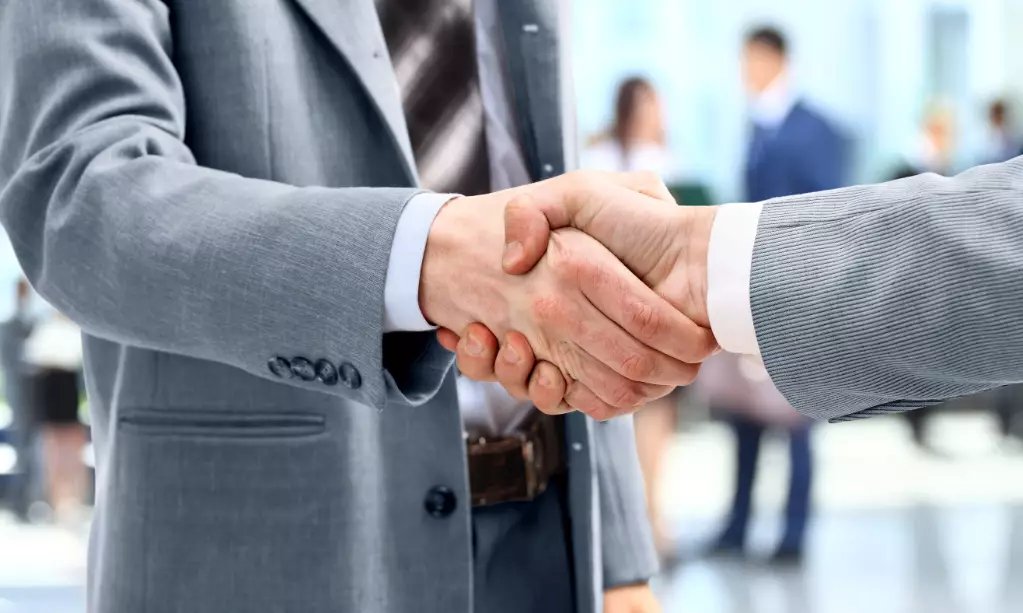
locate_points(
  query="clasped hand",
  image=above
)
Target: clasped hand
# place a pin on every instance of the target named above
(595, 284)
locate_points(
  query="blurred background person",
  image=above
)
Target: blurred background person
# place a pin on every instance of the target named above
(934, 148)
(53, 353)
(792, 150)
(635, 141)
(15, 326)
(1002, 142)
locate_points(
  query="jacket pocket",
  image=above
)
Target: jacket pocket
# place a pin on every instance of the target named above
(223, 424)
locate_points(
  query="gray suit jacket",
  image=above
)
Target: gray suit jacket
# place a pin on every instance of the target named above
(204, 186)
(879, 299)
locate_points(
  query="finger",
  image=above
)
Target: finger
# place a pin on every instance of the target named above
(526, 232)
(651, 323)
(528, 219)
(514, 364)
(547, 388)
(476, 353)
(609, 386)
(584, 400)
(590, 326)
(601, 208)
(448, 339)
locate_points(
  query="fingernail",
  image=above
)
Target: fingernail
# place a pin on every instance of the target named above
(544, 381)
(512, 253)
(510, 355)
(473, 345)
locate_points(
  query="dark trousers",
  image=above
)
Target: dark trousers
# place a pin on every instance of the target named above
(1008, 406)
(748, 435)
(521, 556)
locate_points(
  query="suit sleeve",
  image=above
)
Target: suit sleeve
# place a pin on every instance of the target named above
(627, 542)
(117, 226)
(879, 299)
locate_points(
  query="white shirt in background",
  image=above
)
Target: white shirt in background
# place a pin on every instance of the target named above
(608, 155)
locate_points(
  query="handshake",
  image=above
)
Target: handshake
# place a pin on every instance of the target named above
(584, 292)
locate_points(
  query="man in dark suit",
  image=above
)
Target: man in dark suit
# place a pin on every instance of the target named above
(792, 150)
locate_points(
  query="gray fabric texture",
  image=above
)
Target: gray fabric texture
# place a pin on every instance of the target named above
(880, 299)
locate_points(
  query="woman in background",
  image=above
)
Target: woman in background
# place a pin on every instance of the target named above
(636, 139)
(636, 142)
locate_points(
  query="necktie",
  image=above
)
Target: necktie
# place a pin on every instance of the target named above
(433, 50)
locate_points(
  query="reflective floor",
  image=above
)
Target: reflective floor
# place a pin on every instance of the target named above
(898, 531)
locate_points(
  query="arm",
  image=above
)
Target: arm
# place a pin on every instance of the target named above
(885, 298)
(865, 300)
(117, 226)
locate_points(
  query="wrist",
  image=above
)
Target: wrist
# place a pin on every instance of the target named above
(455, 288)
(697, 223)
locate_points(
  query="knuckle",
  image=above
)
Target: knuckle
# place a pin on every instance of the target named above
(625, 395)
(638, 366)
(643, 319)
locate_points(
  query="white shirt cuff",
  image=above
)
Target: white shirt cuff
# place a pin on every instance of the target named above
(401, 287)
(729, 262)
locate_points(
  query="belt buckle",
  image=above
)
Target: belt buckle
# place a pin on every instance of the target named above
(515, 454)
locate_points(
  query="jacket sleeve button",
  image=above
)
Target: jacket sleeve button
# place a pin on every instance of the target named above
(350, 376)
(280, 367)
(326, 373)
(303, 369)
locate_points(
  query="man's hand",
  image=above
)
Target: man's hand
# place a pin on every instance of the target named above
(579, 308)
(663, 244)
(631, 599)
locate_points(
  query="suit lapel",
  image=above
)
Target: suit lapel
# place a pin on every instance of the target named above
(353, 28)
(531, 40)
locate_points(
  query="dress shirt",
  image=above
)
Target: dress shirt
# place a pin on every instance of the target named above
(729, 263)
(730, 254)
(771, 107)
(486, 408)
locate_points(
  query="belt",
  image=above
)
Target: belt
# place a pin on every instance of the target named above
(516, 468)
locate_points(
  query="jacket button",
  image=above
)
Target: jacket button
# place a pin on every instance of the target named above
(326, 373)
(350, 376)
(303, 369)
(440, 502)
(280, 368)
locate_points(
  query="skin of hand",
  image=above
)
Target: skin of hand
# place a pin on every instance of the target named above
(663, 244)
(577, 308)
(637, 598)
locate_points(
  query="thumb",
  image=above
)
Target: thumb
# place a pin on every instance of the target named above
(526, 233)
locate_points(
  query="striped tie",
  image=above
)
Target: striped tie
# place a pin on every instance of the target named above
(432, 47)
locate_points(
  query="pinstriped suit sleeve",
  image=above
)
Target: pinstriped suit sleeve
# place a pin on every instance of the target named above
(878, 299)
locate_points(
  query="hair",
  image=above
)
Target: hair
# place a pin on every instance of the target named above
(998, 112)
(769, 37)
(626, 103)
